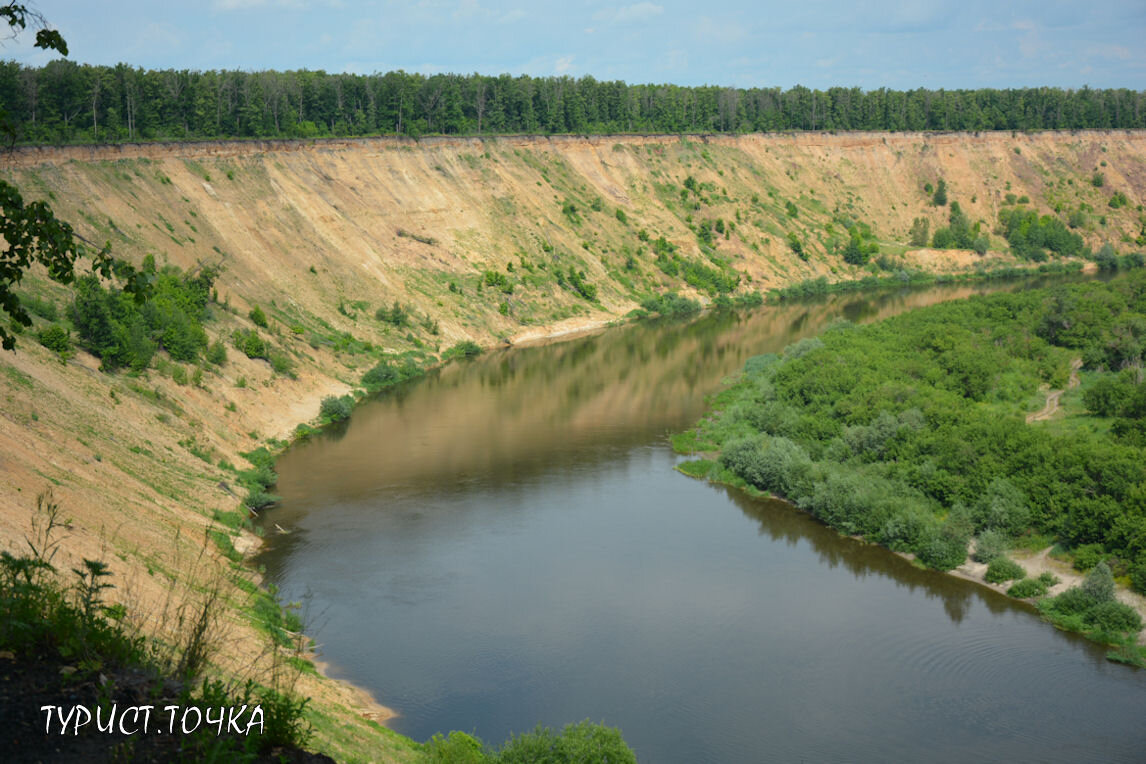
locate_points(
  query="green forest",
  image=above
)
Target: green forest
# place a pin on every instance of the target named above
(912, 433)
(65, 102)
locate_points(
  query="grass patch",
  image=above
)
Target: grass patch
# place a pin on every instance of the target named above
(697, 468)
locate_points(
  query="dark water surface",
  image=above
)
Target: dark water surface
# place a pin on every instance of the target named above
(506, 543)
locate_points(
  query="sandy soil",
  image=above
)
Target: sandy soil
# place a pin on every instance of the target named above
(310, 232)
(562, 330)
(1036, 563)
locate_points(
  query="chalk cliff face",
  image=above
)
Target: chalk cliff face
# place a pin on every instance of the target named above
(321, 235)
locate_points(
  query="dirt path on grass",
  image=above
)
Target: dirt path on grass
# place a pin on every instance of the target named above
(1053, 396)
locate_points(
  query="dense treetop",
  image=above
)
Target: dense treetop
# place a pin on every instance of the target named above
(65, 102)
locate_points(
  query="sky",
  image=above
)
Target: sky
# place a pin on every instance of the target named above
(815, 43)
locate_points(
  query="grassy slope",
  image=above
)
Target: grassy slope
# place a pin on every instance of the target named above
(311, 233)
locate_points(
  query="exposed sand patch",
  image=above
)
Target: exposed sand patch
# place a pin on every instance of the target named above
(1037, 563)
(562, 330)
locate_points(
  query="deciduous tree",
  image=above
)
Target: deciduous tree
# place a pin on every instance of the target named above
(31, 232)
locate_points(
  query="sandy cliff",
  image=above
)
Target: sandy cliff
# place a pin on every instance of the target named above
(321, 234)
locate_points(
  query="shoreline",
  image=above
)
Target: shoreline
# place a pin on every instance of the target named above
(1038, 562)
(570, 329)
(284, 426)
(373, 711)
(969, 570)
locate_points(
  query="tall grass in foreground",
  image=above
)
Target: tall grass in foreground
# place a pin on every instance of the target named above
(63, 620)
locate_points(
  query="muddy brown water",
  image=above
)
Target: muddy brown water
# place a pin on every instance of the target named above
(506, 543)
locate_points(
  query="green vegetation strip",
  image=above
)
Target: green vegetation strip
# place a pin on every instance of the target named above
(912, 277)
(912, 433)
(53, 104)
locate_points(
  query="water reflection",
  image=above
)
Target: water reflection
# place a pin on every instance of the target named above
(505, 543)
(780, 521)
(516, 412)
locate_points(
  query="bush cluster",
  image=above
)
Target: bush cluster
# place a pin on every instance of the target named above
(581, 743)
(385, 374)
(1091, 608)
(250, 344)
(463, 349)
(1031, 236)
(911, 431)
(335, 408)
(1004, 569)
(1033, 587)
(670, 304)
(57, 338)
(123, 331)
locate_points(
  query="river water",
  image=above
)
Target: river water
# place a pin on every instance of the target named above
(506, 543)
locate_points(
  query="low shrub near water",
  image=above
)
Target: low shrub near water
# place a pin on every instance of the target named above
(464, 349)
(385, 374)
(1004, 569)
(748, 300)
(1087, 556)
(1092, 609)
(1033, 587)
(258, 479)
(943, 552)
(581, 743)
(670, 304)
(335, 408)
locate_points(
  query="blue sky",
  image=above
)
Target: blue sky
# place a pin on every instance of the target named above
(817, 43)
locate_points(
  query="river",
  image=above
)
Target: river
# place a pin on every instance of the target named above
(506, 543)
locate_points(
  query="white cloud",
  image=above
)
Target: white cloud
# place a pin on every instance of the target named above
(1110, 52)
(563, 64)
(628, 13)
(723, 32)
(515, 15)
